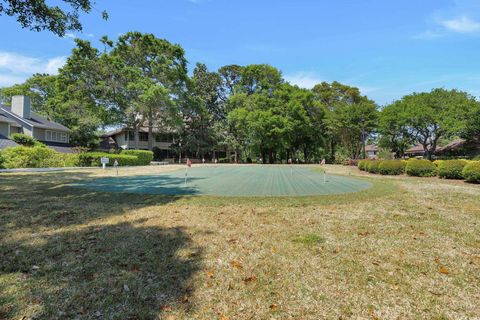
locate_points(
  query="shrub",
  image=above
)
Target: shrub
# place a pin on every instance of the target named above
(2, 161)
(362, 164)
(144, 156)
(372, 166)
(451, 169)
(420, 168)
(24, 140)
(391, 167)
(351, 162)
(26, 157)
(471, 171)
(93, 159)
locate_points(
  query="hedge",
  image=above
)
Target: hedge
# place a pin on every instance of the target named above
(391, 167)
(362, 165)
(30, 157)
(144, 156)
(93, 159)
(471, 171)
(420, 168)
(372, 166)
(451, 169)
(2, 161)
(24, 140)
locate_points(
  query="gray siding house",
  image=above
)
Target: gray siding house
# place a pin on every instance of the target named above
(19, 118)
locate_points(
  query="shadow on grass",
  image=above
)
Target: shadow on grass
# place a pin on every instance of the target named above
(108, 272)
(121, 271)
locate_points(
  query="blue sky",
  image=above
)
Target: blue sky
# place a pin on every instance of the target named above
(386, 48)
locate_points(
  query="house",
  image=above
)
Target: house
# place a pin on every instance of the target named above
(459, 148)
(371, 151)
(124, 138)
(415, 151)
(19, 118)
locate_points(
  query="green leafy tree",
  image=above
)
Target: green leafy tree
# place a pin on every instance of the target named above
(39, 15)
(393, 129)
(439, 114)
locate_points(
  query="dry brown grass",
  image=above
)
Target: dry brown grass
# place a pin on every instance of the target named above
(413, 252)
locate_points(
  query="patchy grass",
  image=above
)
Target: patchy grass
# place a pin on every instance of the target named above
(309, 239)
(407, 248)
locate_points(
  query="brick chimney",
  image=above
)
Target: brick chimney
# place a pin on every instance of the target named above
(21, 106)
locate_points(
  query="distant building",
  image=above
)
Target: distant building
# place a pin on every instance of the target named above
(124, 138)
(19, 118)
(371, 151)
(459, 148)
(415, 151)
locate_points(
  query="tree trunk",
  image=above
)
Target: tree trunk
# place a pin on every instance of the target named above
(150, 130)
(137, 138)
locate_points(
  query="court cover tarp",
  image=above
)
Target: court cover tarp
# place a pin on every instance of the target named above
(232, 181)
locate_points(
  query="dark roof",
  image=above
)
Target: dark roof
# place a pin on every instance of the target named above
(58, 146)
(415, 149)
(37, 120)
(3, 117)
(452, 145)
(5, 142)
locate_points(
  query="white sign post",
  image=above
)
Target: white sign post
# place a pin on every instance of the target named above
(104, 162)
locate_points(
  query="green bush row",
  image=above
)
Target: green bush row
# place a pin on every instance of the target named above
(471, 171)
(448, 169)
(385, 167)
(40, 156)
(93, 159)
(144, 156)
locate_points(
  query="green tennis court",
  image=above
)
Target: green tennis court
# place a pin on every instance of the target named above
(231, 181)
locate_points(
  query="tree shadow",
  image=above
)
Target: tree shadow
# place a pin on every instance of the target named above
(36, 201)
(122, 271)
(152, 184)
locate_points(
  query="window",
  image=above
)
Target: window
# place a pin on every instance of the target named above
(143, 136)
(56, 136)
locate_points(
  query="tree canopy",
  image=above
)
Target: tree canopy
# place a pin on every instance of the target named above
(38, 15)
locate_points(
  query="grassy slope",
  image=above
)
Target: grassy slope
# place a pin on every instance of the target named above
(408, 248)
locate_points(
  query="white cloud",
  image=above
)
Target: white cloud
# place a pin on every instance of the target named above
(16, 68)
(461, 24)
(70, 35)
(428, 34)
(305, 80)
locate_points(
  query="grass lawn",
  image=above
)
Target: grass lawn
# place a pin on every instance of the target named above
(408, 248)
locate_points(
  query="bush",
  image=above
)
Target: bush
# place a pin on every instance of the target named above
(451, 169)
(26, 157)
(351, 162)
(372, 166)
(471, 171)
(420, 168)
(391, 167)
(362, 164)
(2, 161)
(144, 156)
(93, 159)
(24, 140)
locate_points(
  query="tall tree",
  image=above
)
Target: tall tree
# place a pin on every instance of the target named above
(38, 15)
(435, 115)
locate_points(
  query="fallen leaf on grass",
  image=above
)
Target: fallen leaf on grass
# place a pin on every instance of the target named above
(236, 264)
(210, 273)
(166, 308)
(249, 279)
(443, 270)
